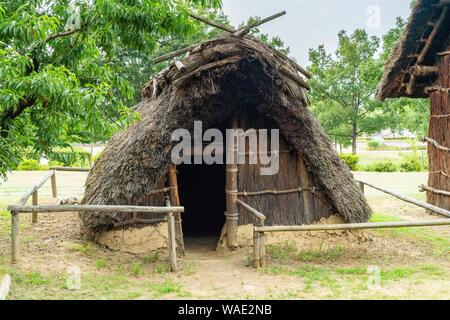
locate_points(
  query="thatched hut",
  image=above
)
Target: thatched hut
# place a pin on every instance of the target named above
(419, 67)
(231, 81)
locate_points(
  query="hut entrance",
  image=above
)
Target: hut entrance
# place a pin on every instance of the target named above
(202, 193)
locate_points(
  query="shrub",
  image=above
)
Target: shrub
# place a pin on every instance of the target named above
(70, 157)
(374, 145)
(30, 165)
(382, 166)
(411, 162)
(351, 160)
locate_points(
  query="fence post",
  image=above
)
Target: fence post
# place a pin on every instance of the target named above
(15, 237)
(172, 242)
(54, 189)
(361, 186)
(256, 249)
(34, 218)
(262, 250)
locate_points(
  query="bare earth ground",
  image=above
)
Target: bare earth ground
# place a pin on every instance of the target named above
(413, 263)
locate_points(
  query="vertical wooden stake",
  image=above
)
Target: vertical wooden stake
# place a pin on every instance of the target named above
(172, 243)
(262, 249)
(34, 218)
(361, 186)
(232, 214)
(256, 250)
(15, 237)
(54, 189)
(175, 201)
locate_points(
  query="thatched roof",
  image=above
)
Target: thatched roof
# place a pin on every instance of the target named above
(221, 77)
(424, 36)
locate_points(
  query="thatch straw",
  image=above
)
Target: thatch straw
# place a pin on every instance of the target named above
(224, 77)
(405, 53)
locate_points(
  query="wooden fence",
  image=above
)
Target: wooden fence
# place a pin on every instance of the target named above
(35, 208)
(259, 236)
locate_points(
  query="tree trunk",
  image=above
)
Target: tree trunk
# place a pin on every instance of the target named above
(354, 137)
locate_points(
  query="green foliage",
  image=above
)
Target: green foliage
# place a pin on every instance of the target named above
(412, 162)
(382, 166)
(70, 157)
(29, 165)
(374, 145)
(67, 67)
(351, 160)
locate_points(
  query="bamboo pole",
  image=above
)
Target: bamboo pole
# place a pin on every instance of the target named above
(411, 200)
(355, 226)
(232, 215)
(34, 218)
(15, 237)
(93, 208)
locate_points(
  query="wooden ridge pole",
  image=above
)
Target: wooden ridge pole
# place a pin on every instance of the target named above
(247, 29)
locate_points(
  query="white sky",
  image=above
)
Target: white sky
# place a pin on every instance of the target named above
(310, 23)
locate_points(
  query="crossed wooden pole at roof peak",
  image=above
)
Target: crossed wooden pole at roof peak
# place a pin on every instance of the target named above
(243, 32)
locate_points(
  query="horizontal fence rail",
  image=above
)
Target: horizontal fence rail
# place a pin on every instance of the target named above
(355, 226)
(93, 208)
(20, 207)
(418, 203)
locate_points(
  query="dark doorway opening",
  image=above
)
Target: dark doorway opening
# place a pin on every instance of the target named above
(202, 193)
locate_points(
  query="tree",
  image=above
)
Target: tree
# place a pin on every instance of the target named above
(64, 66)
(343, 88)
(410, 114)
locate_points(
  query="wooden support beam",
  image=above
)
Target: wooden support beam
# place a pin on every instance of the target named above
(180, 66)
(295, 77)
(418, 203)
(93, 208)
(244, 31)
(423, 71)
(355, 226)
(232, 214)
(212, 23)
(174, 54)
